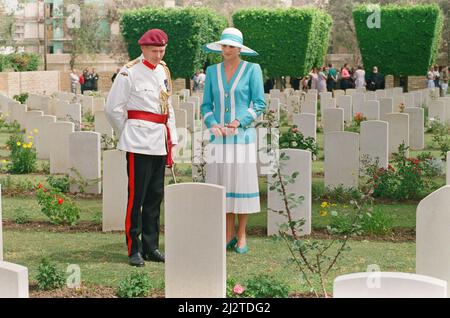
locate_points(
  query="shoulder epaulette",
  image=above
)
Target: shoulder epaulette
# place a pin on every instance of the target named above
(131, 63)
(163, 63)
(169, 77)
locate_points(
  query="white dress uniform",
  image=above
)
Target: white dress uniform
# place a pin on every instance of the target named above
(137, 87)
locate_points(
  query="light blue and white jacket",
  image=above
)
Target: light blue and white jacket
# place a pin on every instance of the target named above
(242, 99)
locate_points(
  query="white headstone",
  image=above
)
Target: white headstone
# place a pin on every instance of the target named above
(333, 119)
(327, 103)
(299, 161)
(13, 280)
(85, 157)
(195, 267)
(380, 93)
(1, 226)
(293, 104)
(102, 126)
(416, 127)
(341, 159)
(398, 101)
(371, 110)
(338, 92)
(432, 234)
(350, 91)
(190, 112)
(386, 106)
(98, 104)
(398, 131)
(358, 100)
(345, 102)
(306, 124)
(115, 185)
(42, 138)
(371, 96)
(325, 95)
(309, 107)
(59, 147)
(409, 99)
(374, 141)
(30, 118)
(180, 118)
(87, 104)
(388, 285)
(436, 110)
(398, 91)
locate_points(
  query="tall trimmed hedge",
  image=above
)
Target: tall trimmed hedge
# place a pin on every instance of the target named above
(407, 41)
(289, 41)
(187, 28)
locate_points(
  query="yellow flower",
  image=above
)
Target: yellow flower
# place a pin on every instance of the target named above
(36, 130)
(4, 161)
(334, 204)
(324, 205)
(19, 143)
(323, 213)
(25, 146)
(30, 137)
(30, 144)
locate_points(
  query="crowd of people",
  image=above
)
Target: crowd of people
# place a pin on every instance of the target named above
(87, 80)
(438, 77)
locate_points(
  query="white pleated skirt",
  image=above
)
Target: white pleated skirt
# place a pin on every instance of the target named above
(234, 167)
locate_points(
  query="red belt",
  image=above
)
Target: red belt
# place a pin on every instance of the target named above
(159, 119)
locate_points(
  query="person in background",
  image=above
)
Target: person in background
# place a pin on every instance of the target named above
(115, 75)
(94, 79)
(430, 78)
(201, 79)
(444, 77)
(360, 77)
(345, 77)
(375, 80)
(74, 81)
(322, 80)
(331, 78)
(314, 76)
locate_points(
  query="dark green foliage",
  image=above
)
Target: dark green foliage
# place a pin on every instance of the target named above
(407, 41)
(289, 41)
(20, 62)
(49, 276)
(137, 284)
(187, 28)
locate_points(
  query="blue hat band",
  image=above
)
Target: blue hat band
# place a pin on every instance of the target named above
(231, 37)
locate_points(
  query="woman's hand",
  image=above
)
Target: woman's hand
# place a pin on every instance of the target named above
(217, 130)
(233, 126)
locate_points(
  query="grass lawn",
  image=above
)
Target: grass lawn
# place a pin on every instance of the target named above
(103, 260)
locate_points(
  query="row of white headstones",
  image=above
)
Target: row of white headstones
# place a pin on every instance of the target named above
(302, 160)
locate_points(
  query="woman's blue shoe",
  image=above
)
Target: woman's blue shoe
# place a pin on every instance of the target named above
(242, 250)
(232, 243)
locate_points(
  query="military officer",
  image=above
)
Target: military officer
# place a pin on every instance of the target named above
(138, 108)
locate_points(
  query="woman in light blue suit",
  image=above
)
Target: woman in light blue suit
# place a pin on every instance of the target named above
(233, 99)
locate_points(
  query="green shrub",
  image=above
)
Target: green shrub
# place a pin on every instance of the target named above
(260, 286)
(187, 28)
(23, 156)
(407, 41)
(60, 184)
(289, 41)
(137, 284)
(404, 179)
(22, 98)
(377, 222)
(24, 62)
(294, 139)
(49, 276)
(21, 216)
(58, 208)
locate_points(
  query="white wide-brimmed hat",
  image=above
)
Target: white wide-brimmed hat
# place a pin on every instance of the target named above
(232, 37)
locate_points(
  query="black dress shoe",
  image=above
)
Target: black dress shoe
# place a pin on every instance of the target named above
(155, 256)
(137, 260)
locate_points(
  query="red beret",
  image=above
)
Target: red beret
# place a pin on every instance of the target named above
(154, 37)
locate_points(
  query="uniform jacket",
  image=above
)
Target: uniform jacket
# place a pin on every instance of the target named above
(137, 87)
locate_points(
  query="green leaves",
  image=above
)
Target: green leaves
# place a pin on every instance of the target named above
(407, 41)
(289, 41)
(187, 28)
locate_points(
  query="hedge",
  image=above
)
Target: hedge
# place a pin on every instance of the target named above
(289, 41)
(20, 62)
(407, 41)
(187, 28)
